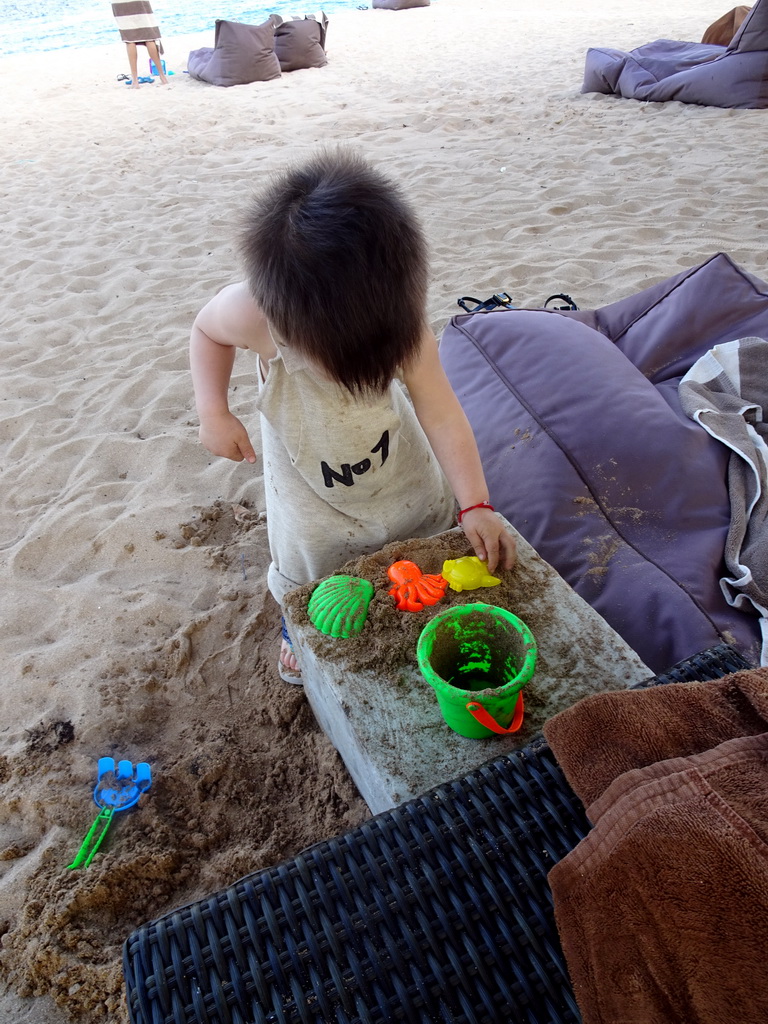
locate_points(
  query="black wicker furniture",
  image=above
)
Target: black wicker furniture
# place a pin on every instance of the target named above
(436, 911)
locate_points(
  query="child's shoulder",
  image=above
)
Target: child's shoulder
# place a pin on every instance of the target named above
(236, 301)
(233, 317)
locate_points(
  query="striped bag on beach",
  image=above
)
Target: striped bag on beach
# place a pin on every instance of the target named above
(136, 22)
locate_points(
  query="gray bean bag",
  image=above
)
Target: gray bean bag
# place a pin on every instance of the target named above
(300, 43)
(241, 54)
(588, 452)
(716, 76)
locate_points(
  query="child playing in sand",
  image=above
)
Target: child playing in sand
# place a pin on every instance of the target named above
(334, 306)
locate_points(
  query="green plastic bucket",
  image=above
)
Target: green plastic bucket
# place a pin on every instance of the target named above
(478, 657)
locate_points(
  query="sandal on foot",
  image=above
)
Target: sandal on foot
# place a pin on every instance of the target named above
(288, 675)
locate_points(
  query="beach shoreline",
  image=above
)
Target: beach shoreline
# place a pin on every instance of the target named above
(136, 621)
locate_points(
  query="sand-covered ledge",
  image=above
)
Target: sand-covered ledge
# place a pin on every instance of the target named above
(370, 695)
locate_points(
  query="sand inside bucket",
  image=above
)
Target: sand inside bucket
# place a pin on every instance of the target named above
(476, 654)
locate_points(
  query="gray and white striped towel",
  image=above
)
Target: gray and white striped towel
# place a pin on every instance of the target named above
(726, 392)
(136, 22)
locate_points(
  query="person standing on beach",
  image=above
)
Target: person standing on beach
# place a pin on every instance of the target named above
(334, 307)
(138, 27)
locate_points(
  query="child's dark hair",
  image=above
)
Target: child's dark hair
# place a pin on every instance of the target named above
(337, 261)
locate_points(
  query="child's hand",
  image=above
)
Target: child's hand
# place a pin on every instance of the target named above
(225, 435)
(493, 544)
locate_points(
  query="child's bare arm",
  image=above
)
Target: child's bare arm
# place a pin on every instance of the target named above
(450, 435)
(231, 320)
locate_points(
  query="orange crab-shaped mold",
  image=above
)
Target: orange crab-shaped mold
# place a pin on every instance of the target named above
(414, 590)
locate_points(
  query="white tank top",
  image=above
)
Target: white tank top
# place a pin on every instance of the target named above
(343, 476)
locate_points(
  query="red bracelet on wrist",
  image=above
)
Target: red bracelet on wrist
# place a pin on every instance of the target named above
(480, 504)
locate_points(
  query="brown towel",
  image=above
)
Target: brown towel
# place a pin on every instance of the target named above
(663, 908)
(607, 734)
(722, 31)
(136, 22)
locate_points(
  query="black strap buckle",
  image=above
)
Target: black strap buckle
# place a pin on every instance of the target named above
(500, 300)
(565, 298)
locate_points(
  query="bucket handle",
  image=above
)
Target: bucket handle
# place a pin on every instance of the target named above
(480, 715)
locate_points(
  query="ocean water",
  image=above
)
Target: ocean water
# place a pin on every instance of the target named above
(30, 26)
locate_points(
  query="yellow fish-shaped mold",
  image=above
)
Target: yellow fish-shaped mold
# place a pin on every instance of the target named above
(467, 573)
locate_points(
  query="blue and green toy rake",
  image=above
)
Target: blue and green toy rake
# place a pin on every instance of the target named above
(117, 789)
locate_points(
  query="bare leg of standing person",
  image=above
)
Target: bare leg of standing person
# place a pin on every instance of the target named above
(154, 54)
(133, 60)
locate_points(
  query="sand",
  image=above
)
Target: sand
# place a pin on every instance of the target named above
(135, 617)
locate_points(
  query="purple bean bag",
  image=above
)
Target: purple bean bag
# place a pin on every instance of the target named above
(399, 5)
(588, 453)
(714, 76)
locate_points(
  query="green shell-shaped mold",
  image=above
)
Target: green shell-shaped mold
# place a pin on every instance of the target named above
(339, 605)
